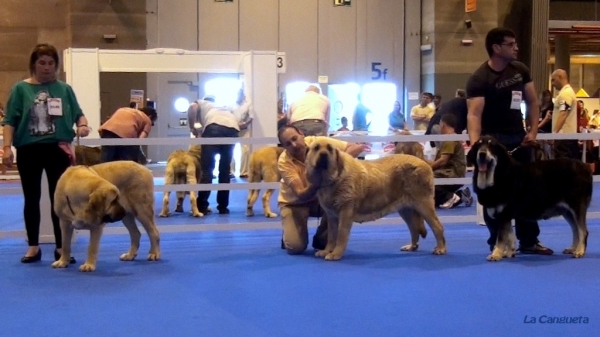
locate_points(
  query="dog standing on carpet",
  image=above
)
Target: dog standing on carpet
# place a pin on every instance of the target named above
(183, 167)
(353, 190)
(89, 197)
(263, 167)
(539, 190)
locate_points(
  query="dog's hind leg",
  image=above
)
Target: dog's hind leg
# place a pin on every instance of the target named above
(92, 256)
(269, 177)
(254, 177)
(169, 179)
(67, 235)
(180, 197)
(416, 226)
(426, 208)
(191, 179)
(580, 232)
(134, 235)
(146, 218)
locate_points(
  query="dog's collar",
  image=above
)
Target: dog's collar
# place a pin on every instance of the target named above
(69, 204)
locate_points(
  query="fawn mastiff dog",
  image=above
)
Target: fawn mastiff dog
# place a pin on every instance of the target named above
(89, 197)
(183, 167)
(353, 190)
(263, 167)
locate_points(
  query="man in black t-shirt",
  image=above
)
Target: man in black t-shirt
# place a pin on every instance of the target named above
(494, 96)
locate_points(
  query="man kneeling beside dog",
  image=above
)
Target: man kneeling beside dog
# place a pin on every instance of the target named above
(320, 177)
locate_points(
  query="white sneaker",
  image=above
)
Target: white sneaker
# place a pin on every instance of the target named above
(451, 203)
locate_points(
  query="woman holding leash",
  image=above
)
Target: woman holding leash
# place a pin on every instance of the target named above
(40, 115)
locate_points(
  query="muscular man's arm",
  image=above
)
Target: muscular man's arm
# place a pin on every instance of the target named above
(475, 110)
(533, 107)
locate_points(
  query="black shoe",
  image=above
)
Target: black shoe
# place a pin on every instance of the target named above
(30, 259)
(223, 210)
(205, 211)
(57, 257)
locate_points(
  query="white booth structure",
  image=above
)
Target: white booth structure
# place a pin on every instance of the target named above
(259, 68)
(83, 68)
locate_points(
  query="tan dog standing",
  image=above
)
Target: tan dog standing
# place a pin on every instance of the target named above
(89, 197)
(263, 167)
(354, 190)
(183, 167)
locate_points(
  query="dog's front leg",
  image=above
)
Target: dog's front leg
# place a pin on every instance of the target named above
(332, 231)
(343, 234)
(502, 240)
(92, 258)
(67, 235)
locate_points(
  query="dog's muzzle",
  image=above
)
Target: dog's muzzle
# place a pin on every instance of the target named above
(322, 161)
(482, 161)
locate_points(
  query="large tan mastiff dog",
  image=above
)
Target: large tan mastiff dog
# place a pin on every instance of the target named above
(263, 167)
(354, 190)
(89, 197)
(183, 167)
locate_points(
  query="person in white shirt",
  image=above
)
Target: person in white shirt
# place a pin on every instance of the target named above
(564, 116)
(310, 113)
(216, 122)
(244, 115)
(422, 113)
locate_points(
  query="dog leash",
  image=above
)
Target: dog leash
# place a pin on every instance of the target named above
(515, 149)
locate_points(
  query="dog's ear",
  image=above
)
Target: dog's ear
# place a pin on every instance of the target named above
(339, 159)
(472, 154)
(100, 200)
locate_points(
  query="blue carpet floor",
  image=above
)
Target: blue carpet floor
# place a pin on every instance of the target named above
(239, 283)
(242, 284)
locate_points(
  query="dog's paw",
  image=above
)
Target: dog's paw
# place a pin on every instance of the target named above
(494, 257)
(164, 214)
(127, 257)
(569, 250)
(197, 214)
(179, 209)
(510, 253)
(410, 248)
(578, 254)
(153, 256)
(249, 212)
(321, 253)
(439, 251)
(60, 264)
(271, 215)
(333, 256)
(87, 267)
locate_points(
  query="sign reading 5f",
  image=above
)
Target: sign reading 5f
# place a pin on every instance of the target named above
(378, 73)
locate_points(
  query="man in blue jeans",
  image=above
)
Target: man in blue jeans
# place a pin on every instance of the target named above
(217, 122)
(494, 96)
